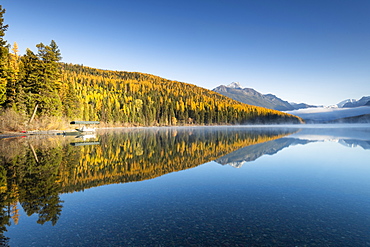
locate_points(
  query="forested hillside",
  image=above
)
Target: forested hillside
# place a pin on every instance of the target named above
(38, 87)
(143, 99)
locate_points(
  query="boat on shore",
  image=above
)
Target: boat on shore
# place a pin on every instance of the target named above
(85, 129)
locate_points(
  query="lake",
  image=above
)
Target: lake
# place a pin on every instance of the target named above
(303, 185)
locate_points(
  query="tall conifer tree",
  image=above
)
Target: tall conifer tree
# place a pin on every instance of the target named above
(4, 50)
(40, 80)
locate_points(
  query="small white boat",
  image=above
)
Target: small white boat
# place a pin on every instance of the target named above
(86, 129)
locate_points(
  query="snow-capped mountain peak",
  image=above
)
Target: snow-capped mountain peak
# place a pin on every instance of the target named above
(234, 85)
(342, 103)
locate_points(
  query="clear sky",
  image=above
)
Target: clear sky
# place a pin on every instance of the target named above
(312, 51)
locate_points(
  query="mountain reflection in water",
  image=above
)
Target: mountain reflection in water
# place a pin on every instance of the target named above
(356, 137)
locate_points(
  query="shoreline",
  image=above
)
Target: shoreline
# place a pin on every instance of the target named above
(13, 134)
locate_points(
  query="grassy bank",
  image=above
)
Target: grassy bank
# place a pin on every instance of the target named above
(11, 121)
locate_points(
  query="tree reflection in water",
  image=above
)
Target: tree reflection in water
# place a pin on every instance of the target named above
(35, 170)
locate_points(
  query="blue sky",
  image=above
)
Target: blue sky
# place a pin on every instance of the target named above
(312, 51)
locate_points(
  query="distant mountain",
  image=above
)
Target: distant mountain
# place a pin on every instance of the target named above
(346, 111)
(252, 97)
(342, 103)
(356, 103)
(350, 103)
(234, 85)
(298, 106)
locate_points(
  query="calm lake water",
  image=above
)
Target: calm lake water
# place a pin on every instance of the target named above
(202, 186)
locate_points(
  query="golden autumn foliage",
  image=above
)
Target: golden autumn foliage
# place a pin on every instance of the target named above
(147, 100)
(35, 170)
(40, 89)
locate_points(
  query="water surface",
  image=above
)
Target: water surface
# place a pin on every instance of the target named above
(230, 186)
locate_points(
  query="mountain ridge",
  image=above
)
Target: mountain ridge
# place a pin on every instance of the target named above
(365, 100)
(252, 97)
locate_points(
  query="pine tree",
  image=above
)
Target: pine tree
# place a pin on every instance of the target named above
(3, 27)
(40, 80)
(4, 50)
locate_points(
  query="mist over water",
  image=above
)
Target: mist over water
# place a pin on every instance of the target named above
(327, 114)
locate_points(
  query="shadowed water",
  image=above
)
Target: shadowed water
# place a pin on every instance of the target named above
(230, 186)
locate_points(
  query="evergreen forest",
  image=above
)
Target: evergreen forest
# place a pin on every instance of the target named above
(37, 91)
